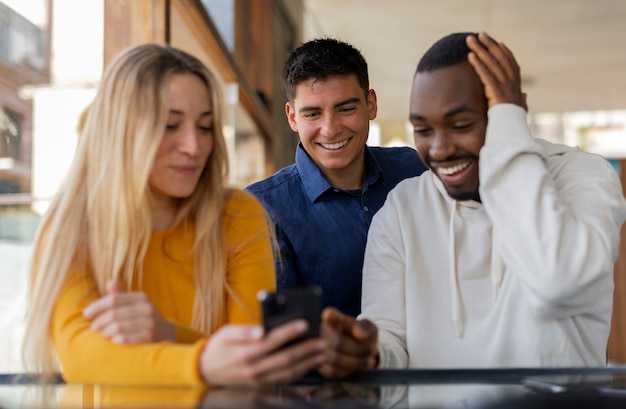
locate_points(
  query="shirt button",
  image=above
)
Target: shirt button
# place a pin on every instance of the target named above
(336, 190)
(366, 208)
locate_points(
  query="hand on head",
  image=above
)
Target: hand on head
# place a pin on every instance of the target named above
(128, 317)
(243, 354)
(352, 344)
(498, 70)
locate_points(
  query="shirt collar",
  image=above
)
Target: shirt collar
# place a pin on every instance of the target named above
(313, 180)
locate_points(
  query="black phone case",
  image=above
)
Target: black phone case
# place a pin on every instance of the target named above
(288, 304)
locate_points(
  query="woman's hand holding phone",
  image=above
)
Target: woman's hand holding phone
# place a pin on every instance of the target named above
(246, 355)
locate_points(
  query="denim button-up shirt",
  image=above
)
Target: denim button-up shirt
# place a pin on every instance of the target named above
(322, 230)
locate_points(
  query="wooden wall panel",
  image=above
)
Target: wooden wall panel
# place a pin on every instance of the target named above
(130, 22)
(617, 339)
(200, 24)
(254, 45)
(265, 34)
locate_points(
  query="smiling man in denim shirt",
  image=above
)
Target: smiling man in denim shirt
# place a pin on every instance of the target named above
(323, 204)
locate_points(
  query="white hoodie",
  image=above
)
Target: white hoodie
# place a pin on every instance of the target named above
(523, 279)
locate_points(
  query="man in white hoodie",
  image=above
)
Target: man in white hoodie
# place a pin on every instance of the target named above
(506, 259)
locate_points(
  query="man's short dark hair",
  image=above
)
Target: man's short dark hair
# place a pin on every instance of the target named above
(322, 58)
(445, 52)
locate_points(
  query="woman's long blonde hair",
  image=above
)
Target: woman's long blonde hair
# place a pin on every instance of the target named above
(100, 219)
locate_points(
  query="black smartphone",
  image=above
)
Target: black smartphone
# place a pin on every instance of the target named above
(287, 304)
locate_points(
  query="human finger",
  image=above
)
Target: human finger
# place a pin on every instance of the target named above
(112, 301)
(512, 61)
(485, 62)
(349, 350)
(497, 92)
(234, 334)
(365, 330)
(129, 325)
(112, 287)
(234, 355)
(289, 364)
(135, 314)
(348, 334)
(504, 65)
(338, 364)
(283, 334)
(118, 307)
(228, 355)
(337, 320)
(494, 57)
(127, 332)
(343, 341)
(98, 306)
(337, 328)
(502, 84)
(292, 373)
(102, 303)
(490, 82)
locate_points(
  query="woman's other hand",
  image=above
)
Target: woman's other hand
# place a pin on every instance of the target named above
(128, 317)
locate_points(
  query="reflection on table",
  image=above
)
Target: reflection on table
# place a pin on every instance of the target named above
(479, 389)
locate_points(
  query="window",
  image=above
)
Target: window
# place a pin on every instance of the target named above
(10, 124)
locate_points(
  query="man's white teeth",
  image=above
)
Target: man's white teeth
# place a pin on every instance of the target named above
(453, 169)
(335, 145)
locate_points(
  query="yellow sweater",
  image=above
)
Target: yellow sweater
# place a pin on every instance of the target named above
(87, 357)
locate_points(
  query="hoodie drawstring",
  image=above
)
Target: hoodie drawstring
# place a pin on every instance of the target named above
(457, 307)
(496, 264)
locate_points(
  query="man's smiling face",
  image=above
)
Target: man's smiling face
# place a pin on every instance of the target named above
(448, 114)
(332, 117)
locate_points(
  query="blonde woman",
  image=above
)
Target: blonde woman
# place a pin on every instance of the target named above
(146, 267)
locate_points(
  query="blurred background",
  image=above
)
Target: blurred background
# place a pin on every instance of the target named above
(52, 54)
